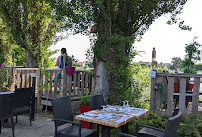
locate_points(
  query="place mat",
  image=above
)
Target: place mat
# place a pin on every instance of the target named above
(110, 117)
(118, 118)
(137, 111)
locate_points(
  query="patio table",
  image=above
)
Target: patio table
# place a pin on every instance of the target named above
(114, 117)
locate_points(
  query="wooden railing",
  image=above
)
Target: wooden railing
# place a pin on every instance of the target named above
(168, 81)
(47, 85)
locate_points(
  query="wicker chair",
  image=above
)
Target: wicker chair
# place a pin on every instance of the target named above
(22, 102)
(96, 102)
(6, 102)
(62, 113)
(148, 131)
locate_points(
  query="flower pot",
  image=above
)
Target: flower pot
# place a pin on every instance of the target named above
(70, 70)
(191, 86)
(176, 88)
(83, 109)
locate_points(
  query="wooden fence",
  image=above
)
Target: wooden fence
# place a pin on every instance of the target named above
(168, 80)
(47, 84)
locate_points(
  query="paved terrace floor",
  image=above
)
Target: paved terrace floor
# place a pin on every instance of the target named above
(41, 127)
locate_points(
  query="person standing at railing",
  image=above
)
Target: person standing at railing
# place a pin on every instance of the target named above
(59, 62)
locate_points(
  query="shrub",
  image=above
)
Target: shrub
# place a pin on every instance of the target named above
(191, 126)
(4, 76)
(151, 119)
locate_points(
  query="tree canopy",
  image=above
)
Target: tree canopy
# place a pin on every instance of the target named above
(176, 62)
(118, 24)
(193, 54)
(31, 26)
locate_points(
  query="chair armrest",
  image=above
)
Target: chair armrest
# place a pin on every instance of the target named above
(124, 134)
(149, 127)
(67, 121)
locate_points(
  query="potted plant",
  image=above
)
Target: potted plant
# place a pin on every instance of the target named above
(4, 77)
(84, 107)
(70, 69)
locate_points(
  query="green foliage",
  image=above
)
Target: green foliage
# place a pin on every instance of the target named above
(161, 90)
(193, 54)
(176, 62)
(20, 55)
(141, 85)
(151, 119)
(85, 99)
(4, 77)
(119, 23)
(31, 25)
(191, 126)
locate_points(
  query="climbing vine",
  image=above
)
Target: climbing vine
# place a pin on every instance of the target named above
(161, 90)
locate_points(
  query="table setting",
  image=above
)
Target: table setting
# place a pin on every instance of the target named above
(106, 116)
(113, 115)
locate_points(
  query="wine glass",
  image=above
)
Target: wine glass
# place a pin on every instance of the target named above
(108, 106)
(127, 105)
(103, 108)
(124, 104)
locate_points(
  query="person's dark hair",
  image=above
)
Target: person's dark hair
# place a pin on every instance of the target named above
(63, 50)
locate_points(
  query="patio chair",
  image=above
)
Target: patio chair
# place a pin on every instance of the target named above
(62, 113)
(6, 102)
(22, 102)
(96, 102)
(149, 131)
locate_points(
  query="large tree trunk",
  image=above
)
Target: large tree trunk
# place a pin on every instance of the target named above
(31, 62)
(101, 81)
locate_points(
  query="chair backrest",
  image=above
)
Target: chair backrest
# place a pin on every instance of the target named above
(172, 126)
(175, 112)
(22, 97)
(6, 102)
(96, 102)
(62, 109)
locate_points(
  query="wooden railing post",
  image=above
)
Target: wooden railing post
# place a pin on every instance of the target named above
(152, 94)
(82, 82)
(74, 85)
(195, 97)
(65, 83)
(182, 93)
(170, 95)
(159, 79)
(39, 90)
(12, 79)
(55, 85)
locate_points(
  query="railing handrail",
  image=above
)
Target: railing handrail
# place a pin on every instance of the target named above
(27, 68)
(180, 75)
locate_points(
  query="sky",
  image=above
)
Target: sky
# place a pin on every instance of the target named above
(168, 40)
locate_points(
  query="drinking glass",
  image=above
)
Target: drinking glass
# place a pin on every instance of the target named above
(124, 104)
(103, 108)
(127, 105)
(108, 106)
